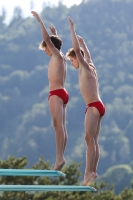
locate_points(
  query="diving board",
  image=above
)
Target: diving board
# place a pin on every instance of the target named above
(30, 172)
(46, 188)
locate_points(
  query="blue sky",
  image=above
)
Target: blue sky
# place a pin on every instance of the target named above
(9, 5)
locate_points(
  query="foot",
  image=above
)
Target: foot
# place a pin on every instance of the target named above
(59, 166)
(88, 178)
(92, 178)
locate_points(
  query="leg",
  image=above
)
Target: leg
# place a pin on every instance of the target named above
(64, 124)
(97, 147)
(57, 112)
(91, 127)
(97, 153)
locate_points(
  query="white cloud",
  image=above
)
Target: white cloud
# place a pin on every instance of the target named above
(9, 5)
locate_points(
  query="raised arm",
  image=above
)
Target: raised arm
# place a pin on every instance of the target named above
(45, 34)
(75, 42)
(86, 50)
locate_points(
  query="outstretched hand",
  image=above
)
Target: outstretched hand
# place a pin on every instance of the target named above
(80, 39)
(71, 22)
(35, 15)
(53, 30)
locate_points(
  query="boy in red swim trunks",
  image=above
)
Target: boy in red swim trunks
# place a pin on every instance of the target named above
(88, 82)
(58, 96)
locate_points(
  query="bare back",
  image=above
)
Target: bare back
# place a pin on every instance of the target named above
(57, 72)
(88, 83)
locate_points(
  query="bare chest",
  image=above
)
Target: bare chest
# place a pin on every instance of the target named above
(87, 76)
(56, 69)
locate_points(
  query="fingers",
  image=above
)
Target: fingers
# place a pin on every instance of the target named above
(34, 13)
(69, 18)
(52, 27)
(80, 39)
(70, 21)
(78, 36)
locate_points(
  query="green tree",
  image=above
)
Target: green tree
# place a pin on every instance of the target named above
(72, 178)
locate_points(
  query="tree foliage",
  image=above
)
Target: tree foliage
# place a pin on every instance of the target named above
(72, 178)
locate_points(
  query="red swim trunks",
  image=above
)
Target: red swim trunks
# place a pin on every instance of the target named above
(99, 105)
(62, 93)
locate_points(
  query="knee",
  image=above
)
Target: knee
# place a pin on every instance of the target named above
(89, 138)
(57, 123)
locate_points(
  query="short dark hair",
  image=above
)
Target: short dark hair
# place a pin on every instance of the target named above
(72, 53)
(55, 40)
